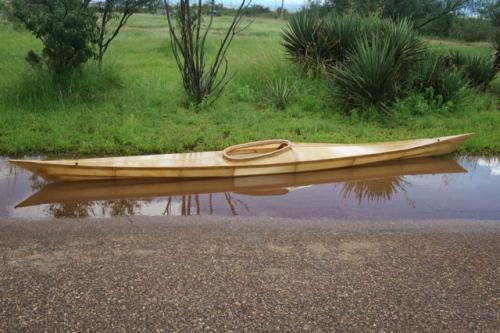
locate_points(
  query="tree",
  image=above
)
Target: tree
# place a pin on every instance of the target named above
(491, 11)
(67, 29)
(422, 12)
(188, 48)
(445, 8)
(117, 12)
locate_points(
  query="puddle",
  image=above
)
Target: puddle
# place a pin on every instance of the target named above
(420, 188)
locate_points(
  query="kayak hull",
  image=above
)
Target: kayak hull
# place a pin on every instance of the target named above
(301, 157)
(66, 192)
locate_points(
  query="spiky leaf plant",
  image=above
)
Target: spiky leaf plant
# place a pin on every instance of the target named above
(343, 31)
(403, 39)
(378, 66)
(480, 71)
(435, 73)
(454, 58)
(280, 92)
(307, 43)
(370, 76)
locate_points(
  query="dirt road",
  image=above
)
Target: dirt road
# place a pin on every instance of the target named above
(254, 274)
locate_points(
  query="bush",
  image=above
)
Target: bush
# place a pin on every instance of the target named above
(307, 43)
(437, 77)
(342, 32)
(370, 77)
(280, 92)
(403, 39)
(378, 66)
(67, 29)
(479, 70)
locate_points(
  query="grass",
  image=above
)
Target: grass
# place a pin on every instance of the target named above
(137, 104)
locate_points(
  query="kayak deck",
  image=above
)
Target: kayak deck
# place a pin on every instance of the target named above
(261, 158)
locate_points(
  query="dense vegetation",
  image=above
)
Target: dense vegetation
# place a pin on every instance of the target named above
(373, 62)
(468, 20)
(137, 105)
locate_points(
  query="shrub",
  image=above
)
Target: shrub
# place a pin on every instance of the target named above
(370, 77)
(245, 93)
(280, 92)
(377, 67)
(454, 59)
(67, 29)
(436, 78)
(403, 39)
(479, 70)
(307, 42)
(343, 31)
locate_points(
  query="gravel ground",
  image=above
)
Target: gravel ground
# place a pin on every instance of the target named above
(249, 274)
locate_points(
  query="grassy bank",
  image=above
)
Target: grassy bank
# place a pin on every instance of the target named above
(137, 104)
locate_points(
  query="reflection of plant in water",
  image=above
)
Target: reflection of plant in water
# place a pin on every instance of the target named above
(87, 208)
(122, 206)
(376, 190)
(72, 209)
(191, 204)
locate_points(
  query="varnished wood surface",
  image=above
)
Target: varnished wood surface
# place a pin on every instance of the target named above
(61, 192)
(297, 157)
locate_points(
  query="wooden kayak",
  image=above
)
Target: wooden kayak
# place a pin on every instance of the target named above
(255, 158)
(70, 192)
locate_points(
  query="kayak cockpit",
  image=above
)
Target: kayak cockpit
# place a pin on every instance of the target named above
(257, 149)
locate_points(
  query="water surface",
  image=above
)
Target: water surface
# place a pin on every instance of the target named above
(422, 188)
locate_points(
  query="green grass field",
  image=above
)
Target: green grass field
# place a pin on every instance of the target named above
(137, 104)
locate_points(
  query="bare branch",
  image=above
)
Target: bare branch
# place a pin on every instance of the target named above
(189, 49)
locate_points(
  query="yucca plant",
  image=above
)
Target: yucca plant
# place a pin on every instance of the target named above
(343, 31)
(307, 43)
(403, 39)
(370, 77)
(480, 71)
(280, 92)
(454, 59)
(378, 66)
(452, 84)
(436, 73)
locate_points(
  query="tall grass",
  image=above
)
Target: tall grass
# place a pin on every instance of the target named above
(38, 88)
(145, 113)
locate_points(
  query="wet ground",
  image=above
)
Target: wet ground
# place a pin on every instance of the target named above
(160, 274)
(449, 187)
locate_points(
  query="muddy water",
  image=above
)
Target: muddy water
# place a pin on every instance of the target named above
(424, 188)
